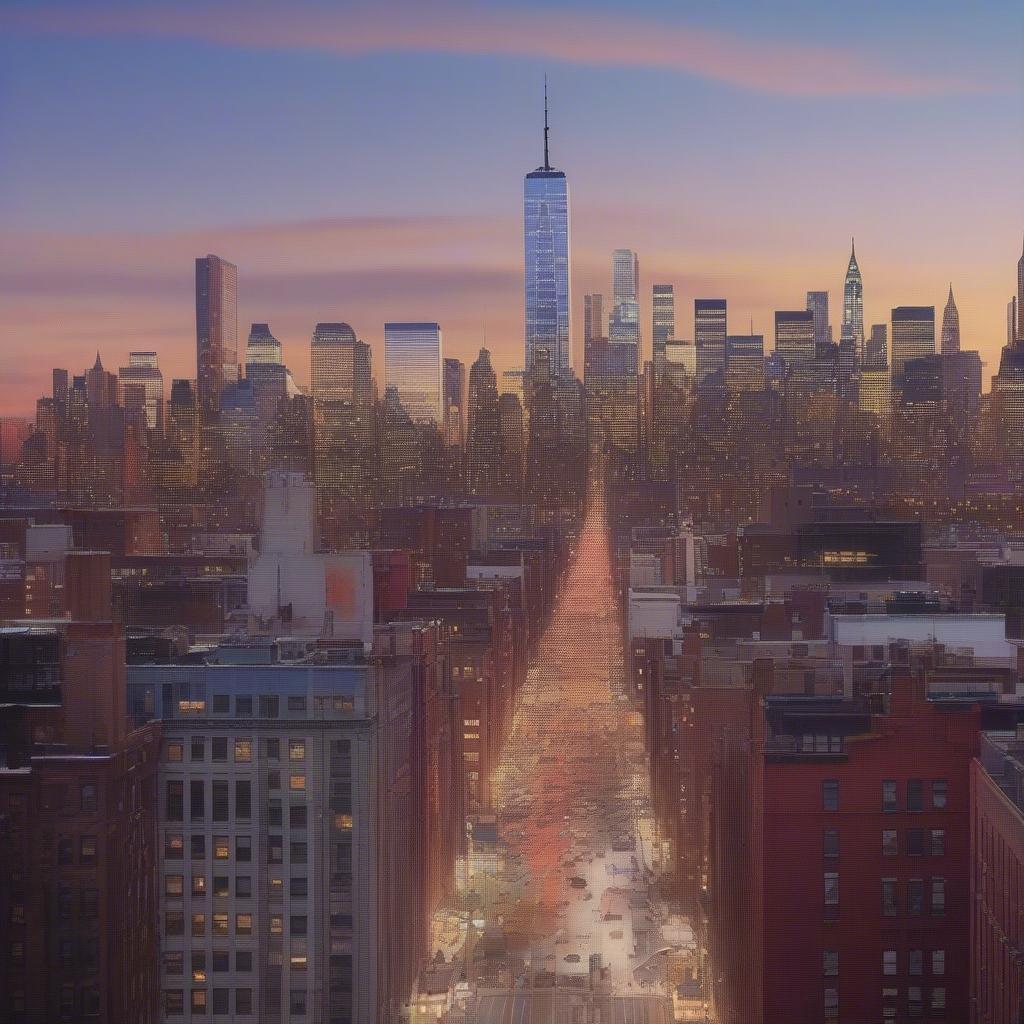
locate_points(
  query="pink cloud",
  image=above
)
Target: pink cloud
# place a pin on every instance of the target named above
(773, 66)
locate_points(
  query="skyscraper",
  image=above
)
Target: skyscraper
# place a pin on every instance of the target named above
(624, 324)
(853, 304)
(593, 318)
(1011, 321)
(262, 346)
(141, 385)
(1020, 297)
(709, 329)
(663, 320)
(794, 335)
(950, 327)
(216, 327)
(412, 364)
(339, 365)
(913, 336)
(546, 235)
(454, 402)
(483, 436)
(817, 303)
(876, 349)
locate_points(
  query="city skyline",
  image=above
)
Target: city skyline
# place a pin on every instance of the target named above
(104, 256)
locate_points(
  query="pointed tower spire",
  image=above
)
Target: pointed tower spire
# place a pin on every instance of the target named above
(547, 162)
(97, 365)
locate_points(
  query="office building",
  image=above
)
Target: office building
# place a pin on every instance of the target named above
(593, 317)
(794, 336)
(663, 320)
(483, 434)
(876, 349)
(817, 303)
(412, 365)
(709, 331)
(853, 304)
(216, 328)
(262, 346)
(913, 335)
(548, 278)
(141, 386)
(1020, 297)
(624, 322)
(454, 399)
(744, 362)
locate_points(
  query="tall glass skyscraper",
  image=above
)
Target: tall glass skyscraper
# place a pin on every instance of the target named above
(817, 303)
(216, 328)
(624, 326)
(546, 231)
(663, 320)
(412, 365)
(853, 305)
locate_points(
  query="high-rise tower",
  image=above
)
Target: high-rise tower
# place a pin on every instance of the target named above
(216, 328)
(624, 324)
(663, 320)
(593, 318)
(853, 305)
(817, 303)
(950, 327)
(546, 236)
(1020, 297)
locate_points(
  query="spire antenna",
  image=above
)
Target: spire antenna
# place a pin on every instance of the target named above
(547, 163)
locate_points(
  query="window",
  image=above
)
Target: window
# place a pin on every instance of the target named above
(915, 842)
(297, 783)
(829, 841)
(89, 796)
(273, 780)
(221, 961)
(243, 1001)
(298, 924)
(197, 800)
(221, 848)
(221, 705)
(889, 801)
(938, 842)
(276, 924)
(87, 850)
(297, 816)
(938, 961)
(831, 1003)
(269, 706)
(197, 748)
(220, 924)
(296, 703)
(915, 897)
(830, 963)
(174, 886)
(297, 853)
(198, 925)
(197, 846)
(940, 791)
(221, 1000)
(174, 1002)
(890, 843)
(915, 962)
(198, 1000)
(938, 897)
(343, 823)
(243, 886)
(243, 849)
(299, 961)
(890, 962)
(174, 962)
(830, 795)
(198, 965)
(243, 961)
(219, 800)
(174, 846)
(220, 885)
(174, 922)
(220, 748)
(938, 998)
(914, 1001)
(243, 751)
(243, 799)
(199, 885)
(272, 750)
(296, 750)
(298, 888)
(243, 707)
(275, 850)
(243, 924)
(831, 886)
(175, 803)
(915, 795)
(889, 901)
(297, 1002)
(174, 751)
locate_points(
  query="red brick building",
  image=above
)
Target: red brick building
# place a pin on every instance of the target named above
(997, 880)
(78, 830)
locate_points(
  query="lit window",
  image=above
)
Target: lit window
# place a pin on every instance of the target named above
(174, 886)
(343, 822)
(297, 783)
(296, 750)
(276, 924)
(198, 885)
(940, 792)
(890, 962)
(243, 750)
(176, 753)
(221, 848)
(298, 961)
(220, 924)
(243, 924)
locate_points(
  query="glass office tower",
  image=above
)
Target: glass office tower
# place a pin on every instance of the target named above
(546, 231)
(412, 365)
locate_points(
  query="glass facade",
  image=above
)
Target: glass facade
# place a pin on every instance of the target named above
(853, 305)
(412, 365)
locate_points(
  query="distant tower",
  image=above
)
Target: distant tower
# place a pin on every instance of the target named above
(817, 303)
(262, 346)
(1011, 321)
(216, 328)
(413, 361)
(546, 235)
(663, 320)
(624, 323)
(593, 318)
(950, 327)
(1020, 297)
(853, 305)
(483, 436)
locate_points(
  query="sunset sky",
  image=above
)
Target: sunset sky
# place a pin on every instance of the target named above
(364, 162)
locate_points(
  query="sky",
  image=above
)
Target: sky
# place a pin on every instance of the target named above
(364, 162)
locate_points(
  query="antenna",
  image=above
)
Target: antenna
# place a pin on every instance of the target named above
(547, 164)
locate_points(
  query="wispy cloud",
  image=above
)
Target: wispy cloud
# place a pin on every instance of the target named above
(453, 27)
